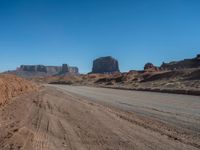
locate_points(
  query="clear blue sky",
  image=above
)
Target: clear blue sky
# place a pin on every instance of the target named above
(52, 32)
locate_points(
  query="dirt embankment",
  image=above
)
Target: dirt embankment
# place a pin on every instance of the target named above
(11, 86)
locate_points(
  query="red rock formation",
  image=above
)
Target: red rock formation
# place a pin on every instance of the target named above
(150, 67)
(183, 64)
(105, 65)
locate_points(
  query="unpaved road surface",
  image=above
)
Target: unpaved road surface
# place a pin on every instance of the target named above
(84, 118)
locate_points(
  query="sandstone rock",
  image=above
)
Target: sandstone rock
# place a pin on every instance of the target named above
(52, 70)
(150, 67)
(65, 68)
(198, 57)
(27, 68)
(33, 68)
(73, 70)
(41, 70)
(183, 64)
(105, 65)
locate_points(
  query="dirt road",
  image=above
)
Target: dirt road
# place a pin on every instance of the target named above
(81, 118)
(179, 110)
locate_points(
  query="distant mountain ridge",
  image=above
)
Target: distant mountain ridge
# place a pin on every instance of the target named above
(29, 71)
(101, 65)
(182, 64)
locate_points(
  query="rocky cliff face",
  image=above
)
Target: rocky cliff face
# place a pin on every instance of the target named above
(52, 70)
(65, 68)
(183, 64)
(150, 67)
(74, 70)
(105, 65)
(41, 70)
(33, 68)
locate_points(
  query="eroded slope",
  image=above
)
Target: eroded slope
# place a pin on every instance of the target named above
(11, 86)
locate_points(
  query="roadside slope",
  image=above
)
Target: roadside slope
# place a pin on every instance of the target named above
(11, 86)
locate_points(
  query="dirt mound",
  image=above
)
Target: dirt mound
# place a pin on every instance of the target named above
(11, 86)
